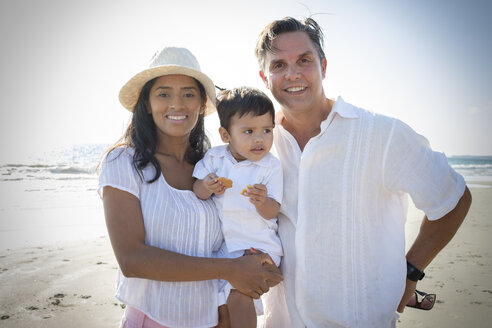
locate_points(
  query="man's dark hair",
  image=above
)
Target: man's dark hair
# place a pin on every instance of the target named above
(242, 101)
(288, 24)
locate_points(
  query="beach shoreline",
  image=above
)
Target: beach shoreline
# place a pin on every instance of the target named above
(72, 284)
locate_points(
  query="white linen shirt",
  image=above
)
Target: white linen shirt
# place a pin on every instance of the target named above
(343, 215)
(243, 227)
(175, 220)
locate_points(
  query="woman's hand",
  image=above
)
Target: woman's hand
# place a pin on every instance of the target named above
(252, 251)
(254, 275)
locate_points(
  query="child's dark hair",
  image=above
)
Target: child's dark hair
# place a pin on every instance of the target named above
(241, 101)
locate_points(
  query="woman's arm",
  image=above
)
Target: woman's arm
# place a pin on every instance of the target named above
(249, 274)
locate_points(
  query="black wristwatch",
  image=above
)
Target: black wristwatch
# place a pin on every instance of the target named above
(413, 273)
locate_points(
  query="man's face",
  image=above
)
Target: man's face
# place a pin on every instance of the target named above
(294, 73)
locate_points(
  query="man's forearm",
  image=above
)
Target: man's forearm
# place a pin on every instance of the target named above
(434, 235)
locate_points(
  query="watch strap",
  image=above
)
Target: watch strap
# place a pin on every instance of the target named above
(413, 273)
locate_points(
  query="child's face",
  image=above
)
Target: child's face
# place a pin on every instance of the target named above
(249, 137)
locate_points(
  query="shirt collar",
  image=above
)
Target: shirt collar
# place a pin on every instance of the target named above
(225, 152)
(340, 107)
(344, 109)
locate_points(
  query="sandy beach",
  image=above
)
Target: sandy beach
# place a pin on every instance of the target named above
(62, 285)
(461, 275)
(71, 284)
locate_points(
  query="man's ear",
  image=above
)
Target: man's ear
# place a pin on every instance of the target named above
(323, 68)
(224, 135)
(265, 80)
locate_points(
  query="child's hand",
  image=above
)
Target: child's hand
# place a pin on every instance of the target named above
(267, 207)
(257, 194)
(224, 317)
(212, 183)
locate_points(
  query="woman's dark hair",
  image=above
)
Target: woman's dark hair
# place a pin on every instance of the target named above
(141, 135)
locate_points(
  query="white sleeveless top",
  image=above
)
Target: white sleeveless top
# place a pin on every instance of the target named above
(243, 227)
(175, 220)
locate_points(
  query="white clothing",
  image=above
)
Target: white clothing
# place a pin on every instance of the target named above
(243, 227)
(223, 252)
(225, 287)
(175, 220)
(343, 214)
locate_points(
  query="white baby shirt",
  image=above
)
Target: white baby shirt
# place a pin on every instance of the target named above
(242, 226)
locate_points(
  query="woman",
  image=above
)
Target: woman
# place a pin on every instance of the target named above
(163, 237)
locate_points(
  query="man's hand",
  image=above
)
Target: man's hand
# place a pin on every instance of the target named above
(252, 251)
(253, 275)
(432, 237)
(409, 291)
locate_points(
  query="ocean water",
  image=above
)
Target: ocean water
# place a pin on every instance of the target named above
(79, 163)
(52, 196)
(68, 163)
(473, 168)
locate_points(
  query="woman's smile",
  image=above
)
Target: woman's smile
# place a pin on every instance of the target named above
(176, 117)
(175, 104)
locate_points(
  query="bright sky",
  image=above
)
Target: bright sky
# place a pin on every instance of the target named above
(62, 62)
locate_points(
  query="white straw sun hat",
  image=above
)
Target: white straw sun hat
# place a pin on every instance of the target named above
(169, 60)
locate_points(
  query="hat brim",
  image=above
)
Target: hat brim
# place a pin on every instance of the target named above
(130, 92)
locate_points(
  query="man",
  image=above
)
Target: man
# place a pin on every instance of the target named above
(347, 174)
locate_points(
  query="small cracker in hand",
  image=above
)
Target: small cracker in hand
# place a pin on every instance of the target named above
(226, 182)
(245, 190)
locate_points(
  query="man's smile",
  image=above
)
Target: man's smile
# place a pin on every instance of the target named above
(296, 89)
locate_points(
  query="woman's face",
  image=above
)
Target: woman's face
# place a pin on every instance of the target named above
(175, 104)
